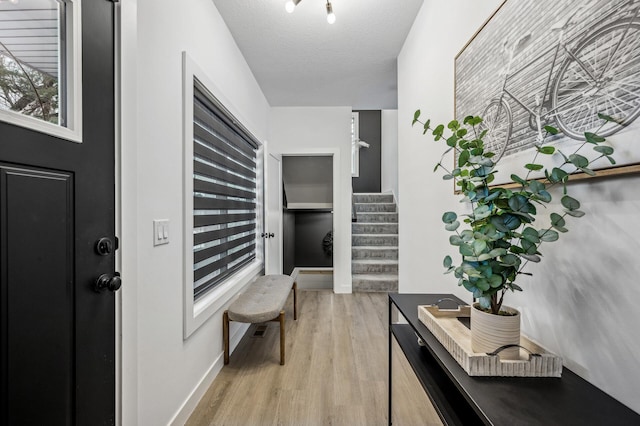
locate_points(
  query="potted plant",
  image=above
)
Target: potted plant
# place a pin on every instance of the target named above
(499, 237)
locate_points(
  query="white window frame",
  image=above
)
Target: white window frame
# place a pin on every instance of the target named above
(196, 312)
(73, 84)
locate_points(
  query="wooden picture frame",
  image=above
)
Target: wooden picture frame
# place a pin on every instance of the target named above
(553, 62)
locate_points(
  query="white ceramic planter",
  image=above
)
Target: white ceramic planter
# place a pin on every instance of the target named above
(489, 332)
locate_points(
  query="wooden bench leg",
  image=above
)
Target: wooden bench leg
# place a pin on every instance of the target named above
(281, 319)
(225, 335)
(295, 301)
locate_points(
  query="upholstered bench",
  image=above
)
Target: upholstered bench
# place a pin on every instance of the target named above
(263, 301)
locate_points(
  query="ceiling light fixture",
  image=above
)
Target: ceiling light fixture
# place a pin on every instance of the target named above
(331, 17)
(291, 5)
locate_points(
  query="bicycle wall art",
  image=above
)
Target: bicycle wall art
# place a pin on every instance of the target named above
(560, 63)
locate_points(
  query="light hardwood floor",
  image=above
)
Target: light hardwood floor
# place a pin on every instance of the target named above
(335, 371)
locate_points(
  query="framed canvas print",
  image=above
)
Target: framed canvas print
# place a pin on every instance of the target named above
(558, 63)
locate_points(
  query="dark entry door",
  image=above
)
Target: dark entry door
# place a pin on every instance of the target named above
(57, 333)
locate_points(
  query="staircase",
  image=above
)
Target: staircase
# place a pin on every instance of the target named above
(374, 243)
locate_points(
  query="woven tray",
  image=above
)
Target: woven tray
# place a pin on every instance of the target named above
(534, 361)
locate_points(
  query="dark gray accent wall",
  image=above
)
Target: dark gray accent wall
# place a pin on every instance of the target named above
(288, 241)
(310, 229)
(370, 129)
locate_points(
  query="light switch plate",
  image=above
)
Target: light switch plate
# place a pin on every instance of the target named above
(160, 232)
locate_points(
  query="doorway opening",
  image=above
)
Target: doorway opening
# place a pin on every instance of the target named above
(308, 219)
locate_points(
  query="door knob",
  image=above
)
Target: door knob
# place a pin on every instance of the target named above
(108, 282)
(268, 235)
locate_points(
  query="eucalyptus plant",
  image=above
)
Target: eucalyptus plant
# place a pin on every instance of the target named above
(499, 237)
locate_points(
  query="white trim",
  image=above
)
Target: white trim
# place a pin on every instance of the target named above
(355, 146)
(187, 407)
(198, 312)
(73, 85)
(268, 247)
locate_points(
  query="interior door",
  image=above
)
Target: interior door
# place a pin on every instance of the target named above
(273, 215)
(57, 225)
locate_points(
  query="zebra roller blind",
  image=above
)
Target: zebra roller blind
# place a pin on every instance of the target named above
(224, 193)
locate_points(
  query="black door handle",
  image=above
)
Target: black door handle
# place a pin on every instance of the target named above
(108, 282)
(268, 235)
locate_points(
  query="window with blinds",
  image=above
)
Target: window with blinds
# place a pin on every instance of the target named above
(224, 193)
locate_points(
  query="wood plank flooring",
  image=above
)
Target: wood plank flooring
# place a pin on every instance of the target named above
(335, 371)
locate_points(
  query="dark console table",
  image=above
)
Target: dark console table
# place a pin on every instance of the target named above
(463, 400)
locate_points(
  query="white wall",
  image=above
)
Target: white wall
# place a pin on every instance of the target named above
(389, 162)
(162, 371)
(582, 300)
(322, 130)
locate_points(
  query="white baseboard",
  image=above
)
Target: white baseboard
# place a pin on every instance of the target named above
(181, 417)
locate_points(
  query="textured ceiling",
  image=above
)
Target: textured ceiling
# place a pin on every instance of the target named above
(301, 60)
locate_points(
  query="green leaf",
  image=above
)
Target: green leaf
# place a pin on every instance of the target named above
(515, 286)
(570, 203)
(544, 196)
(481, 212)
(578, 160)
(531, 257)
(461, 133)
(492, 196)
(557, 220)
(495, 281)
(416, 116)
(472, 121)
(455, 240)
(452, 226)
(530, 235)
(536, 186)
(549, 235)
(518, 179)
(603, 149)
(479, 246)
(437, 132)
(447, 262)
(449, 217)
(533, 167)
(593, 138)
(447, 177)
(588, 171)
(467, 235)
(547, 150)
(611, 160)
(528, 247)
(452, 140)
(466, 250)
(426, 126)
(464, 157)
(510, 260)
(519, 203)
(453, 125)
(551, 130)
(483, 284)
(496, 252)
(436, 167)
(558, 175)
(575, 213)
(506, 222)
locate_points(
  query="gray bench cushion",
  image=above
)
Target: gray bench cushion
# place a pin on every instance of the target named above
(263, 300)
